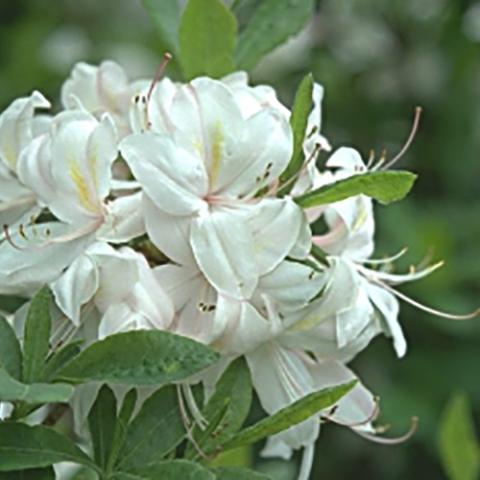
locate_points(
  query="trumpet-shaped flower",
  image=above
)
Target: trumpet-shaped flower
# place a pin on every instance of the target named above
(69, 171)
(138, 302)
(102, 89)
(18, 127)
(201, 178)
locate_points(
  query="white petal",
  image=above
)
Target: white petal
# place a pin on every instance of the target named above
(16, 127)
(207, 116)
(280, 378)
(173, 178)
(275, 225)
(262, 153)
(75, 287)
(170, 233)
(223, 248)
(358, 405)
(389, 308)
(125, 219)
(195, 302)
(35, 262)
(291, 285)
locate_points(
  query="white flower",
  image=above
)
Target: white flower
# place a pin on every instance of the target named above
(137, 301)
(102, 89)
(200, 178)
(18, 127)
(69, 171)
(235, 326)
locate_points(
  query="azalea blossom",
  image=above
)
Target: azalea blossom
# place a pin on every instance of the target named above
(102, 89)
(68, 169)
(18, 127)
(138, 302)
(200, 177)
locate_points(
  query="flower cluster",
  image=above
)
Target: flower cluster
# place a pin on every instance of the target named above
(159, 205)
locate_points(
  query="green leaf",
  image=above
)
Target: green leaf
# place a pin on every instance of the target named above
(166, 17)
(272, 23)
(60, 358)
(208, 32)
(101, 423)
(386, 187)
(292, 415)
(12, 390)
(171, 470)
(139, 358)
(10, 353)
(121, 427)
(228, 407)
(32, 474)
(36, 340)
(237, 473)
(23, 447)
(459, 449)
(301, 110)
(156, 430)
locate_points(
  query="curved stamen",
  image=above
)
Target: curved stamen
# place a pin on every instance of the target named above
(200, 420)
(295, 177)
(373, 415)
(9, 239)
(424, 308)
(188, 426)
(391, 441)
(397, 278)
(391, 259)
(159, 74)
(413, 132)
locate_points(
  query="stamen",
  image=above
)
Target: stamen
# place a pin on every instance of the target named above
(390, 259)
(9, 238)
(200, 420)
(371, 158)
(424, 308)
(391, 441)
(187, 425)
(295, 177)
(159, 74)
(398, 278)
(413, 132)
(376, 410)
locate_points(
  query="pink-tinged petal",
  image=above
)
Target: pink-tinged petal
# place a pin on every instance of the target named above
(75, 287)
(173, 177)
(223, 248)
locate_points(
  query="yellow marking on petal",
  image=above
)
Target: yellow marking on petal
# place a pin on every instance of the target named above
(81, 186)
(360, 220)
(217, 140)
(92, 164)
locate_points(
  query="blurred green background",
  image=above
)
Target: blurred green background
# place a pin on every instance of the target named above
(377, 60)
